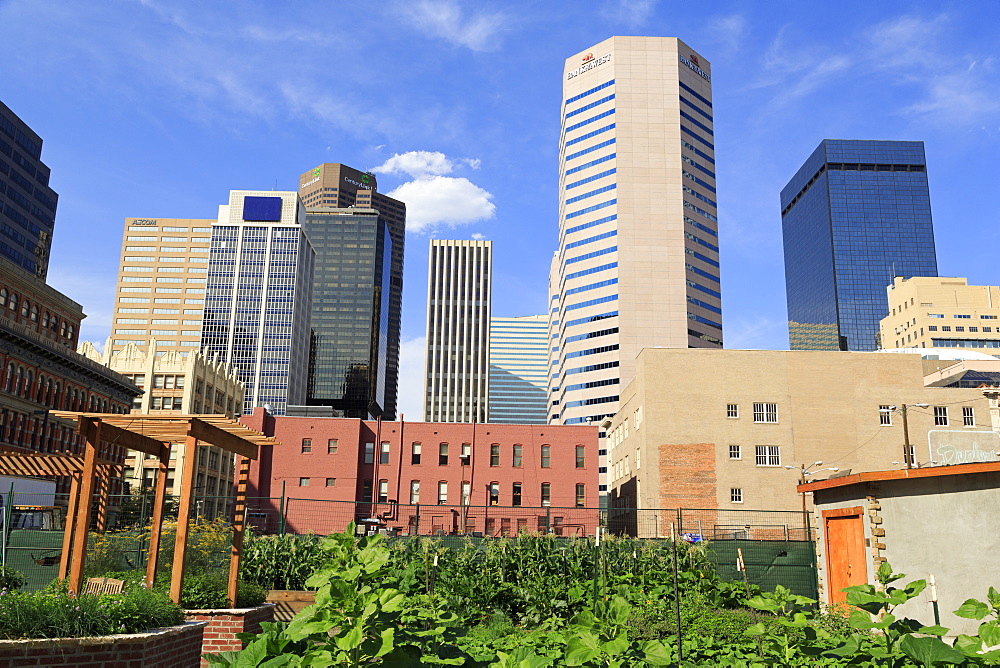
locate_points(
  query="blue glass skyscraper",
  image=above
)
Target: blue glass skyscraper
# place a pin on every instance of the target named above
(259, 296)
(854, 216)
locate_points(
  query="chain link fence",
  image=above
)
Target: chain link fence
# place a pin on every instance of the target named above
(774, 547)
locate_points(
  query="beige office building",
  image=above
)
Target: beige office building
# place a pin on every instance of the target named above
(718, 429)
(638, 258)
(161, 284)
(190, 385)
(459, 287)
(938, 312)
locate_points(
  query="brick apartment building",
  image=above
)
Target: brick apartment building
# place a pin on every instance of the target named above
(425, 477)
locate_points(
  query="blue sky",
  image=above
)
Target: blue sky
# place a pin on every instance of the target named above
(157, 109)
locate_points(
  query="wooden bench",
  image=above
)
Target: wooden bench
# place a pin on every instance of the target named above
(104, 586)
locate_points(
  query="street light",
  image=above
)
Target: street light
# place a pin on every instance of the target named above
(908, 456)
(804, 472)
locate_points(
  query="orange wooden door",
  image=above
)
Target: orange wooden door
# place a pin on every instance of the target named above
(845, 552)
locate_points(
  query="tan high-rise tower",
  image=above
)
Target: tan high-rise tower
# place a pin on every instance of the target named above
(161, 284)
(459, 286)
(638, 258)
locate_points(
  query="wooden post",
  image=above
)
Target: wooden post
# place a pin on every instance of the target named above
(156, 524)
(103, 489)
(93, 439)
(239, 524)
(183, 515)
(71, 509)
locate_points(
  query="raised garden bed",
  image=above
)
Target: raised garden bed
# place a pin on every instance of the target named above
(171, 647)
(224, 624)
(289, 602)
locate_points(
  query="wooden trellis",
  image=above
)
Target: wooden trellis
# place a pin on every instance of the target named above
(154, 435)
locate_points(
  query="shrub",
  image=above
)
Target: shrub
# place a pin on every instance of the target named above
(200, 591)
(11, 579)
(52, 614)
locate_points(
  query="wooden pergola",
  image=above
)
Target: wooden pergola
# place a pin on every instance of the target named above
(154, 435)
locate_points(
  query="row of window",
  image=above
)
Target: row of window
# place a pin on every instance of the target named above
(941, 418)
(32, 313)
(416, 453)
(21, 382)
(762, 412)
(764, 455)
(493, 489)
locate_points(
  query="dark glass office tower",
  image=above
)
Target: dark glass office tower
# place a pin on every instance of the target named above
(27, 204)
(350, 320)
(340, 186)
(856, 215)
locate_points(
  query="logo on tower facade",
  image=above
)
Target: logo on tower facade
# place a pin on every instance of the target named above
(588, 57)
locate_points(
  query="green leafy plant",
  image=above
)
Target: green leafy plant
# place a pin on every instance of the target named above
(985, 646)
(11, 579)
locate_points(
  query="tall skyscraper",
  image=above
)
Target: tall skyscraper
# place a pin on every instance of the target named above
(459, 288)
(28, 208)
(519, 370)
(259, 296)
(349, 347)
(638, 258)
(161, 284)
(340, 186)
(855, 216)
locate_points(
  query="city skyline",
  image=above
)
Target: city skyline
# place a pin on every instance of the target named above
(486, 129)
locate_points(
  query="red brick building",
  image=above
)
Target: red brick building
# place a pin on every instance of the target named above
(425, 477)
(40, 369)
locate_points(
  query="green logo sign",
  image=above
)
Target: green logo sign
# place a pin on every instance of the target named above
(365, 178)
(316, 172)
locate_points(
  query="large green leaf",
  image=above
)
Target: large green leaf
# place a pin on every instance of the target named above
(655, 653)
(581, 649)
(973, 609)
(930, 651)
(990, 633)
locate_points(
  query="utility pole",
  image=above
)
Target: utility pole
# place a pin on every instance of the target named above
(908, 455)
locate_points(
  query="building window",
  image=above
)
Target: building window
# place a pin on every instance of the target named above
(442, 492)
(932, 328)
(736, 495)
(466, 492)
(303, 482)
(443, 454)
(517, 457)
(307, 445)
(495, 454)
(968, 416)
(369, 453)
(515, 494)
(765, 412)
(366, 490)
(910, 455)
(331, 446)
(581, 456)
(885, 415)
(940, 416)
(415, 454)
(732, 410)
(768, 455)
(546, 494)
(546, 456)
(494, 493)
(331, 482)
(735, 452)
(383, 491)
(414, 491)
(581, 495)
(383, 457)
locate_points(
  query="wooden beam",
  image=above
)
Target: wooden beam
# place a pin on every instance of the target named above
(103, 489)
(71, 508)
(213, 435)
(239, 524)
(156, 525)
(128, 438)
(93, 436)
(183, 516)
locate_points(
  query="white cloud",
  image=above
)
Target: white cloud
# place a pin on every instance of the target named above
(478, 236)
(433, 201)
(727, 30)
(631, 12)
(448, 20)
(410, 392)
(418, 164)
